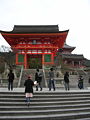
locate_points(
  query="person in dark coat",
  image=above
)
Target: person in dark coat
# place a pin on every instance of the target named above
(38, 79)
(66, 81)
(10, 80)
(51, 79)
(80, 82)
(28, 89)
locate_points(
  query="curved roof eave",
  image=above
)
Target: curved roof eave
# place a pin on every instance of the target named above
(11, 32)
(21, 29)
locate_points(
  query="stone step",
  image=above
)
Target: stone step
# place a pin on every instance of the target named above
(45, 105)
(43, 112)
(46, 93)
(83, 119)
(69, 116)
(11, 99)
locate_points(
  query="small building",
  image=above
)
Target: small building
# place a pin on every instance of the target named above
(72, 60)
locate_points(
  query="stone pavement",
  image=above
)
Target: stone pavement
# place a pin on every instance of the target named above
(46, 90)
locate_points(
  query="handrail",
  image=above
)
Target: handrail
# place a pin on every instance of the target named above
(20, 76)
(44, 76)
(3, 82)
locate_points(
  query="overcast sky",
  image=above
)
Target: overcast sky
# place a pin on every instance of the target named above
(68, 14)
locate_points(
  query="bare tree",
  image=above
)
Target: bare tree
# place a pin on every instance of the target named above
(2, 65)
(9, 58)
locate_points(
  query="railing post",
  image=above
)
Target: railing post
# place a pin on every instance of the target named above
(44, 75)
(20, 76)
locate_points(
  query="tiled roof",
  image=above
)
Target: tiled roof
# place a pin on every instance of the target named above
(72, 56)
(67, 46)
(35, 29)
(87, 63)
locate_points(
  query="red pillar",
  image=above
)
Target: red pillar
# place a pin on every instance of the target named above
(52, 58)
(25, 61)
(42, 59)
(16, 58)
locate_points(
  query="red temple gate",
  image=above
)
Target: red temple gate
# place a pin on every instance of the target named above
(35, 45)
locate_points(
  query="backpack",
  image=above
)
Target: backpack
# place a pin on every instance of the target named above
(11, 76)
(40, 74)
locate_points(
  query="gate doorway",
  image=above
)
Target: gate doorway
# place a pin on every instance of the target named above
(34, 61)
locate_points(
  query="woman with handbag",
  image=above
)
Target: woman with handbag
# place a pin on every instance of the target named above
(38, 79)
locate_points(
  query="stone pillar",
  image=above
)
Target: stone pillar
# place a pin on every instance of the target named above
(73, 63)
(79, 63)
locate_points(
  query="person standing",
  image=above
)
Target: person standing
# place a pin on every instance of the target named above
(10, 80)
(66, 81)
(51, 79)
(80, 82)
(28, 89)
(38, 79)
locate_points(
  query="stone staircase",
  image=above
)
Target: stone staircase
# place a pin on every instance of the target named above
(45, 105)
(27, 72)
(58, 78)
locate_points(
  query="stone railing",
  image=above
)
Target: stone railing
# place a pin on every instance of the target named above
(3, 82)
